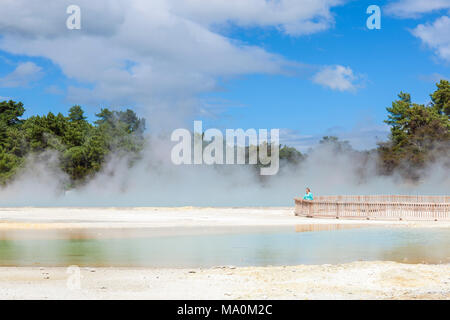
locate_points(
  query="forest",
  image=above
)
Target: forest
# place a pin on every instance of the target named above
(419, 136)
(82, 147)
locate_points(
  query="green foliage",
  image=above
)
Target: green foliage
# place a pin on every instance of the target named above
(290, 154)
(83, 148)
(9, 164)
(76, 114)
(10, 112)
(440, 99)
(419, 133)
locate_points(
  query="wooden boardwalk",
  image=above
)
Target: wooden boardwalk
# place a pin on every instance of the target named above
(389, 207)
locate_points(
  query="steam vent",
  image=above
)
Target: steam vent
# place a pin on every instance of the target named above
(380, 207)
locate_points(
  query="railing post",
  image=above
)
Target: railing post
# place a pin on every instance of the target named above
(367, 210)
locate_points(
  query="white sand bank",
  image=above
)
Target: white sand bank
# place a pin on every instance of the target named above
(43, 218)
(358, 280)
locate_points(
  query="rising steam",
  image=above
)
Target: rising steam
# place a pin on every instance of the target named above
(155, 181)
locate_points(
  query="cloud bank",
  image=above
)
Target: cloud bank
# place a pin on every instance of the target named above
(158, 54)
(436, 36)
(22, 76)
(415, 8)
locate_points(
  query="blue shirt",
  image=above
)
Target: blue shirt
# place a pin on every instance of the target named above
(308, 196)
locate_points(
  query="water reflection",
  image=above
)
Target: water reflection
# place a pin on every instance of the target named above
(305, 244)
(326, 227)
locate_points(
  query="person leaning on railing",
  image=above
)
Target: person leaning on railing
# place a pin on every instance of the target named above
(308, 195)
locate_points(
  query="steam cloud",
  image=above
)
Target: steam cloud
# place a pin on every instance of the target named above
(155, 181)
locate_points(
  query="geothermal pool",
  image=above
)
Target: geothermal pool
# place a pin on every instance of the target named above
(242, 246)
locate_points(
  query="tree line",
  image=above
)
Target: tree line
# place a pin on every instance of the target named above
(419, 135)
(81, 147)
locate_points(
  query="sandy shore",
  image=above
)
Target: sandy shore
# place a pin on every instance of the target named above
(57, 218)
(358, 280)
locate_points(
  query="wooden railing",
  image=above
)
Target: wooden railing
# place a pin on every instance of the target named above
(394, 207)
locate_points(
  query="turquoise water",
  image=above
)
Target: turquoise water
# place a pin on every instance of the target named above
(249, 247)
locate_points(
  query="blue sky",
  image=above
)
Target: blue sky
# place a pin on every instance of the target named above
(228, 66)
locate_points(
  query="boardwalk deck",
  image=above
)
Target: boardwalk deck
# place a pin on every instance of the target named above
(389, 207)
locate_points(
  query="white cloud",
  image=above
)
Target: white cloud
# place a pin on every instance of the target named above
(22, 76)
(436, 35)
(154, 53)
(105, 17)
(414, 8)
(336, 78)
(293, 17)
